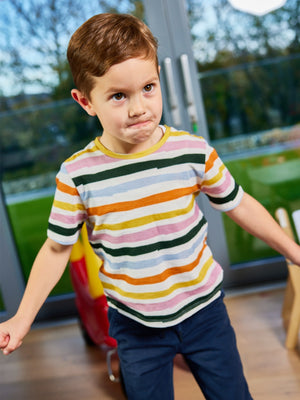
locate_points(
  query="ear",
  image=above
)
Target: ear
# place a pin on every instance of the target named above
(83, 101)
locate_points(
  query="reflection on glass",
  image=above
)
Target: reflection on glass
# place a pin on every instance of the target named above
(35, 140)
(40, 125)
(249, 72)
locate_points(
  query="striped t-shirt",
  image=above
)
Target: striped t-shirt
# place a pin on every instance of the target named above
(144, 222)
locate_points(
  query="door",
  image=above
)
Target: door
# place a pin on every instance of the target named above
(11, 280)
(241, 256)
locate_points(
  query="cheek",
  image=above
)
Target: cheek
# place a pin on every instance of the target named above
(117, 119)
(111, 118)
(158, 106)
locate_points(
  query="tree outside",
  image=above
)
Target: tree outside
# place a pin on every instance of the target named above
(40, 124)
(248, 66)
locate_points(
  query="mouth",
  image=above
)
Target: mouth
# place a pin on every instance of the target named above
(139, 124)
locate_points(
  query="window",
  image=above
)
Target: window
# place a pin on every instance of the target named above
(249, 71)
(40, 125)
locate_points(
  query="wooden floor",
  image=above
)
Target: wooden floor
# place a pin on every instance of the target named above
(55, 364)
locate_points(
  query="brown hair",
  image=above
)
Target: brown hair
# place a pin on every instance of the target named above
(105, 40)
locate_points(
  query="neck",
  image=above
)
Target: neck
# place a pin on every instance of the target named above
(121, 147)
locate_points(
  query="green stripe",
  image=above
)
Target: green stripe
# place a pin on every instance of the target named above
(135, 251)
(64, 231)
(137, 167)
(169, 317)
(227, 199)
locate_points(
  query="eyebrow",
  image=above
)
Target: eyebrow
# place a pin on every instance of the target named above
(118, 89)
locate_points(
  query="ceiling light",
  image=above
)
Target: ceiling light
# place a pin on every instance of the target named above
(257, 7)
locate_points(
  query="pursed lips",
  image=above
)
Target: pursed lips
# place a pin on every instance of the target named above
(138, 123)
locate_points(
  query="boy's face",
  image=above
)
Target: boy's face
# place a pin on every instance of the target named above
(128, 103)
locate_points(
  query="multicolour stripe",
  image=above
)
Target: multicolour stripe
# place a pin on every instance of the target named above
(144, 221)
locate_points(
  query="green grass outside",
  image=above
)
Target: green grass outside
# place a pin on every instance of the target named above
(250, 173)
(29, 221)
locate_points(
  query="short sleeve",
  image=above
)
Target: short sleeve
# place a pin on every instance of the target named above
(68, 212)
(218, 184)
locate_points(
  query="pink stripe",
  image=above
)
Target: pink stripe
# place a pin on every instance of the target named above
(221, 188)
(90, 162)
(182, 144)
(69, 220)
(172, 303)
(148, 233)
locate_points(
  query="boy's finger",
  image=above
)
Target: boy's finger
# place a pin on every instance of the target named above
(4, 339)
(11, 347)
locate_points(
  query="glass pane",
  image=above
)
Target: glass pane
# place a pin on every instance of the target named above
(40, 125)
(249, 71)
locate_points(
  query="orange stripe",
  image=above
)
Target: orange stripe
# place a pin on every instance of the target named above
(210, 162)
(62, 187)
(156, 278)
(145, 201)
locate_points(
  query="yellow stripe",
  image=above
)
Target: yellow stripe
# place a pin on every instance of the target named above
(162, 293)
(215, 178)
(146, 220)
(66, 206)
(76, 155)
(184, 133)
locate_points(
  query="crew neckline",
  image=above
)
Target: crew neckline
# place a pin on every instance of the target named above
(166, 132)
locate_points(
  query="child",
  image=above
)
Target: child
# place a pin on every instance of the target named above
(135, 187)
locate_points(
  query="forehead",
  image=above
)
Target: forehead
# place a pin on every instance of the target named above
(130, 73)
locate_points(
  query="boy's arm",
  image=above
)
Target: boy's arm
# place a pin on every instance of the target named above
(255, 219)
(47, 269)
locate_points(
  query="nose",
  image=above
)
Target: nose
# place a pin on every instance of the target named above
(136, 106)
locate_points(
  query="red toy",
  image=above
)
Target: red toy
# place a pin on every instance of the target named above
(90, 299)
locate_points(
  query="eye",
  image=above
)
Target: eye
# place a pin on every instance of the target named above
(118, 96)
(148, 88)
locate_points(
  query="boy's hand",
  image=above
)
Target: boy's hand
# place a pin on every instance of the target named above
(12, 333)
(255, 219)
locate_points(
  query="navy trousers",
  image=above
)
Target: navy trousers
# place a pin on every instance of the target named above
(207, 342)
